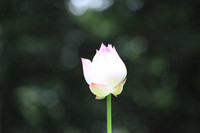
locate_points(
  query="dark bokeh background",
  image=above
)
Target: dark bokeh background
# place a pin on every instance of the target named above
(42, 88)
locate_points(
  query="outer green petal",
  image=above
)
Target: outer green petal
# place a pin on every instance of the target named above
(100, 90)
(119, 88)
(99, 97)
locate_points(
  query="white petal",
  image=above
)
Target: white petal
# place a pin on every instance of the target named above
(102, 47)
(108, 68)
(87, 70)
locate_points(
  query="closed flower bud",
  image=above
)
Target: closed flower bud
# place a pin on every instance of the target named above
(106, 73)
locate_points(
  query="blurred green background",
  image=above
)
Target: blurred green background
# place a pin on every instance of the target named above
(42, 88)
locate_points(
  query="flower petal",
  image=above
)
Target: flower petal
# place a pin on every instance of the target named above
(110, 47)
(100, 90)
(102, 47)
(87, 70)
(119, 88)
(108, 68)
(97, 97)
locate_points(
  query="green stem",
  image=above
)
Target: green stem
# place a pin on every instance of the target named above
(109, 116)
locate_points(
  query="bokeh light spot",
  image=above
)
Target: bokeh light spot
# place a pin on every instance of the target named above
(78, 7)
(133, 48)
(158, 65)
(28, 100)
(69, 56)
(142, 97)
(135, 5)
(163, 98)
(75, 36)
(49, 98)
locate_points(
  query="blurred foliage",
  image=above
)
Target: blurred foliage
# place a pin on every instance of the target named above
(42, 88)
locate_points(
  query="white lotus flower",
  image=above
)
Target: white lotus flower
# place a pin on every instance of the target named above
(106, 73)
